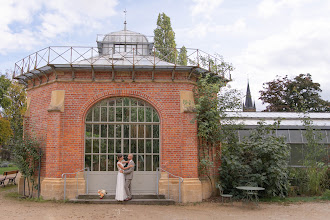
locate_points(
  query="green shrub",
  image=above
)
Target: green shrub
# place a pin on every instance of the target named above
(310, 181)
(326, 195)
(261, 159)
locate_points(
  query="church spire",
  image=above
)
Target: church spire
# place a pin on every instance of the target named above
(248, 105)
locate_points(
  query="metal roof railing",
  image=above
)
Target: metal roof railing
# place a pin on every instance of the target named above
(80, 55)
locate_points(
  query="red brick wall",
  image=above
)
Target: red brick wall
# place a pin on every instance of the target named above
(64, 132)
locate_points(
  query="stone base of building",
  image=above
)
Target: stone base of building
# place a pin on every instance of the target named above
(53, 188)
(192, 189)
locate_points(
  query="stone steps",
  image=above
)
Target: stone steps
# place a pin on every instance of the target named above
(137, 200)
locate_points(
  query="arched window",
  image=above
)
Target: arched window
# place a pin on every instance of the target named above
(122, 126)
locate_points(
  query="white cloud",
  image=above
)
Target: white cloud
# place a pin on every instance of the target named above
(269, 8)
(24, 24)
(204, 8)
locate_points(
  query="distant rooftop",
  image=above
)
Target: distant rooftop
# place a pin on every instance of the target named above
(287, 118)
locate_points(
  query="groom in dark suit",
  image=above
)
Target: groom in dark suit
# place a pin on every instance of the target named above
(128, 177)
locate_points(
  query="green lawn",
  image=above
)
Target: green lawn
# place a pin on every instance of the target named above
(4, 169)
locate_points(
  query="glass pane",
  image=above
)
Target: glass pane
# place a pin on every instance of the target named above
(133, 102)
(111, 131)
(89, 130)
(119, 102)
(111, 114)
(148, 146)
(148, 163)
(97, 114)
(104, 114)
(133, 146)
(104, 131)
(119, 113)
(126, 101)
(118, 146)
(103, 145)
(96, 130)
(141, 163)
(284, 134)
(141, 114)
(133, 114)
(243, 134)
(155, 116)
(112, 102)
(89, 116)
(126, 114)
(88, 146)
(126, 131)
(148, 131)
(111, 146)
(103, 163)
(141, 131)
(118, 131)
(156, 146)
(104, 103)
(141, 146)
(296, 154)
(148, 114)
(141, 103)
(95, 162)
(295, 136)
(111, 163)
(126, 146)
(156, 131)
(133, 131)
(88, 161)
(96, 146)
(156, 162)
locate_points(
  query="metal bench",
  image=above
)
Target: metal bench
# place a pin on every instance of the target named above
(11, 179)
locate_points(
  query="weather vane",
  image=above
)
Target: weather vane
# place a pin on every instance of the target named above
(125, 11)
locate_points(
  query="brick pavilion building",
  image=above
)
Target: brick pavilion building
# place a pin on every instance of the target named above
(88, 104)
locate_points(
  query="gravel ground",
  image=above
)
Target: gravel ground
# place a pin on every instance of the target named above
(15, 209)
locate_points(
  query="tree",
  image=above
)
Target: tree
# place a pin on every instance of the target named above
(294, 95)
(4, 86)
(164, 39)
(182, 58)
(5, 131)
(16, 107)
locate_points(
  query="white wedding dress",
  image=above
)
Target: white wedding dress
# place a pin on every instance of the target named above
(120, 187)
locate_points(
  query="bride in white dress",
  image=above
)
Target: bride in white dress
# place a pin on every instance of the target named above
(120, 188)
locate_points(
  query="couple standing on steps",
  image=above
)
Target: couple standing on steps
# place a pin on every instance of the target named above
(124, 178)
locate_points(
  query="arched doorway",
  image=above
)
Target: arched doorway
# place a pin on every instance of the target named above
(122, 125)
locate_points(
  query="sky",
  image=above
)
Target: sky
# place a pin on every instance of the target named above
(261, 38)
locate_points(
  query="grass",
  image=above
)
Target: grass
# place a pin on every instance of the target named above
(4, 169)
(295, 199)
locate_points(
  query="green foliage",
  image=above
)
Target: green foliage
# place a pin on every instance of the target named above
(16, 107)
(326, 195)
(164, 39)
(182, 58)
(294, 95)
(314, 177)
(5, 131)
(261, 159)
(26, 155)
(313, 149)
(210, 110)
(4, 86)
